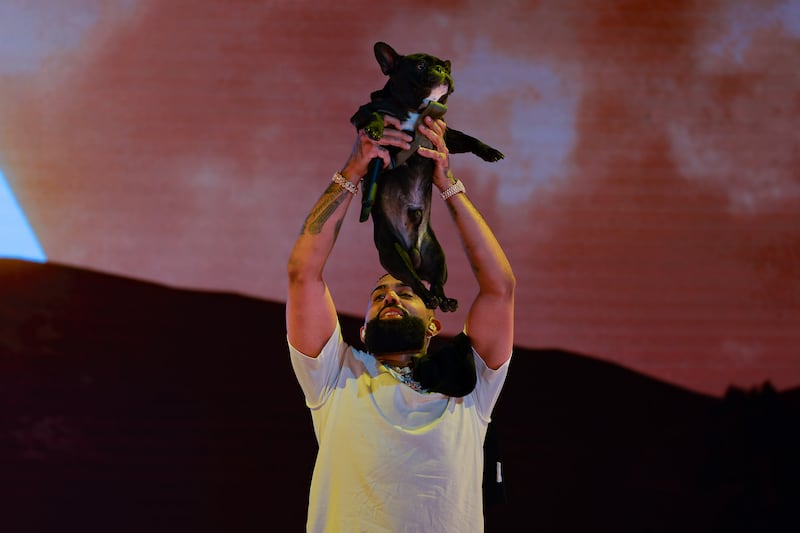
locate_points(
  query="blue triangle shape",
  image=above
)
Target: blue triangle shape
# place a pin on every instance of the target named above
(17, 239)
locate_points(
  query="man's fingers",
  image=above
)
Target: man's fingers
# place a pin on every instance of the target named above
(431, 154)
(434, 131)
(390, 138)
(396, 138)
(426, 152)
(436, 138)
(385, 155)
(436, 126)
(392, 121)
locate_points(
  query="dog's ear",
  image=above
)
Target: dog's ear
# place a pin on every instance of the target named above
(386, 56)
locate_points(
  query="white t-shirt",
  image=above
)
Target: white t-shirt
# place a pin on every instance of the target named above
(392, 459)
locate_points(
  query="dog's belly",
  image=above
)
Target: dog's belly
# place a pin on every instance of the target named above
(404, 199)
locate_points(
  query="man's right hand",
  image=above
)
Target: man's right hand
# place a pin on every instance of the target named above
(310, 313)
(366, 149)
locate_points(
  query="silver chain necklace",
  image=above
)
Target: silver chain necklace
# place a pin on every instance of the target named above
(405, 374)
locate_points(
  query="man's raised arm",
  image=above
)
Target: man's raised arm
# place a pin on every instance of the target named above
(490, 321)
(310, 313)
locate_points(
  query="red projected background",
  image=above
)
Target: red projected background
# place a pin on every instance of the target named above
(649, 200)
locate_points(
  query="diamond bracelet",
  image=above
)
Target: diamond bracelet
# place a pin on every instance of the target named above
(344, 183)
(454, 189)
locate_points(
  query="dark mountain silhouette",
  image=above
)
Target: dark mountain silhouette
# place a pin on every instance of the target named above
(131, 406)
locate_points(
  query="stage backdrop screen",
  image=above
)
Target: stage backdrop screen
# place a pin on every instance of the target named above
(649, 199)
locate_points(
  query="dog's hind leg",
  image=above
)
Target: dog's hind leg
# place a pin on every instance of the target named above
(445, 304)
(409, 275)
(397, 262)
(434, 270)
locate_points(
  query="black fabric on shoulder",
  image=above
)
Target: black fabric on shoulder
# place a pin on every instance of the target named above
(450, 370)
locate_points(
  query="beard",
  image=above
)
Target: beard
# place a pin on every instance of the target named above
(395, 336)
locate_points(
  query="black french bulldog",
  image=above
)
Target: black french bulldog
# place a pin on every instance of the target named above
(399, 197)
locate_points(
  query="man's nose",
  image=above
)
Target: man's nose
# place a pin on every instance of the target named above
(391, 298)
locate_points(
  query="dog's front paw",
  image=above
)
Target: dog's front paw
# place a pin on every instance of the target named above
(487, 153)
(374, 129)
(373, 132)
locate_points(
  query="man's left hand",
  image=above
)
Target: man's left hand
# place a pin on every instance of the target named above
(434, 131)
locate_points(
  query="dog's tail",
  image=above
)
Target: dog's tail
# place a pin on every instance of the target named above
(415, 215)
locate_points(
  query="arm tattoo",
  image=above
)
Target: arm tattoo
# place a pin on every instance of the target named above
(337, 228)
(331, 199)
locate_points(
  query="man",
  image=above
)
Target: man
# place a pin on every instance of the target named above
(392, 457)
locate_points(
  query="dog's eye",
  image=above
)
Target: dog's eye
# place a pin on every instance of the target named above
(421, 66)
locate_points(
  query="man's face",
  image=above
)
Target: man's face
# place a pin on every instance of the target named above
(397, 320)
(391, 299)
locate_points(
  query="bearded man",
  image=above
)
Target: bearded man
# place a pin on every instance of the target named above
(394, 456)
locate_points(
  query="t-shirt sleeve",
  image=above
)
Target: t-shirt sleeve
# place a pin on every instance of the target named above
(318, 375)
(490, 382)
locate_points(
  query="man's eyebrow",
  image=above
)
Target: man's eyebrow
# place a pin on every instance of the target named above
(395, 287)
(379, 287)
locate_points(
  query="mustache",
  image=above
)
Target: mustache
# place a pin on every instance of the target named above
(393, 306)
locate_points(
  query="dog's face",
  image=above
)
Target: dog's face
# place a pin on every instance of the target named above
(415, 79)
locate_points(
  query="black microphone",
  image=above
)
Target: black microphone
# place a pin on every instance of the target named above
(370, 187)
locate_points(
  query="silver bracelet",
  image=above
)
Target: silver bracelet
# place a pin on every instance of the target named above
(454, 189)
(344, 183)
